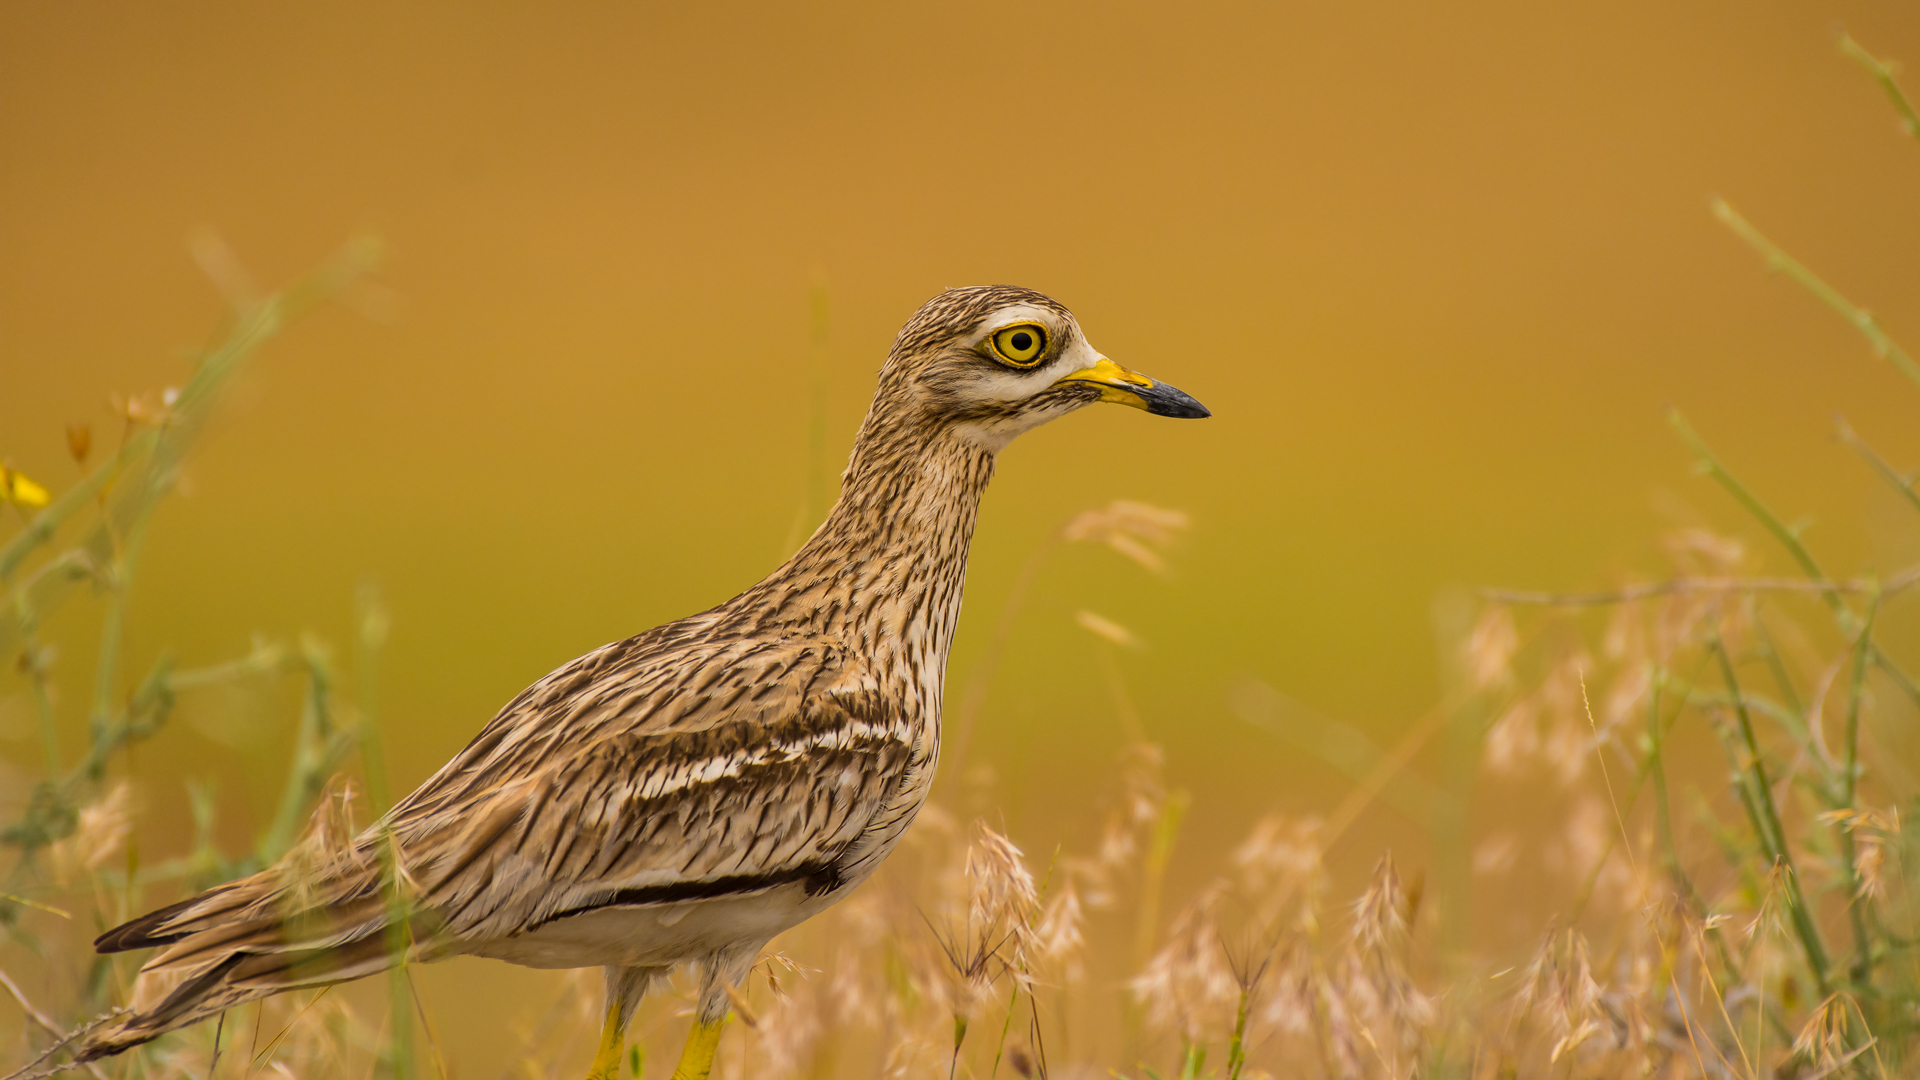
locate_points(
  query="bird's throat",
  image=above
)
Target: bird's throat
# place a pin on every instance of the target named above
(886, 569)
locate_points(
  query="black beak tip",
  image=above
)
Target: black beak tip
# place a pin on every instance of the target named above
(1164, 400)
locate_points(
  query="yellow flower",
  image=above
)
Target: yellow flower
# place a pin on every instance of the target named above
(16, 488)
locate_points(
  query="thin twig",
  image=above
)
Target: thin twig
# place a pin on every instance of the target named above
(1856, 903)
(1882, 73)
(1861, 319)
(1706, 972)
(1901, 482)
(1599, 753)
(27, 1007)
(38, 1067)
(1757, 792)
(1905, 579)
(268, 1052)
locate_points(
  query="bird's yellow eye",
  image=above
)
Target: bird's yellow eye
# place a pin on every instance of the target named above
(1020, 345)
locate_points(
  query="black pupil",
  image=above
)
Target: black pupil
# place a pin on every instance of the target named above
(1021, 341)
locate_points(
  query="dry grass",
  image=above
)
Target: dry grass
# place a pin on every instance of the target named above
(1741, 917)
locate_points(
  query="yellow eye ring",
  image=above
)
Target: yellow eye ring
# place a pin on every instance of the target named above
(1019, 345)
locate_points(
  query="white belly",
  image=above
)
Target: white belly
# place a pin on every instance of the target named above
(658, 935)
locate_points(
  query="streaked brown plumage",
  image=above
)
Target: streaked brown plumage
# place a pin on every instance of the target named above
(688, 793)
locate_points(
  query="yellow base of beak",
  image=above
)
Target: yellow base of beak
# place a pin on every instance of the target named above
(1122, 387)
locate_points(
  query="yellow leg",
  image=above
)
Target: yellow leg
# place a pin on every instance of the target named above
(613, 1039)
(696, 1061)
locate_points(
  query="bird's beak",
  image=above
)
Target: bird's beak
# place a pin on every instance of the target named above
(1123, 387)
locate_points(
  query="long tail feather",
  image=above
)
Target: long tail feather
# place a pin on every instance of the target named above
(250, 939)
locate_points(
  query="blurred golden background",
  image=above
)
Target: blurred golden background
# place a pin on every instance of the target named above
(1439, 270)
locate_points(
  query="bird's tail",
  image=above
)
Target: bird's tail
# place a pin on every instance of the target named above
(249, 939)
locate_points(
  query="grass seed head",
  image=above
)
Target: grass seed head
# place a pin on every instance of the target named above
(1823, 1038)
(1003, 894)
(99, 836)
(1703, 552)
(1281, 853)
(1108, 630)
(1135, 530)
(1060, 934)
(1490, 649)
(1188, 987)
(1513, 743)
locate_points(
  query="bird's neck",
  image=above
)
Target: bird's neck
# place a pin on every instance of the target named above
(884, 572)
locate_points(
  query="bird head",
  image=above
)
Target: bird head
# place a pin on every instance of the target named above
(992, 361)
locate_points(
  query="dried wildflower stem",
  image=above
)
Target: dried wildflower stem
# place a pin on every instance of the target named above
(148, 708)
(1710, 463)
(1900, 482)
(1647, 768)
(370, 636)
(33, 659)
(266, 1054)
(1349, 751)
(318, 748)
(1861, 319)
(1680, 1000)
(112, 628)
(19, 996)
(1599, 753)
(1153, 873)
(1773, 710)
(39, 1067)
(1793, 713)
(38, 678)
(1465, 735)
(433, 1037)
(1882, 73)
(959, 1037)
(1790, 539)
(1757, 794)
(397, 1053)
(1006, 1027)
(1862, 968)
(1720, 1000)
(1655, 768)
(1131, 729)
(1384, 771)
(1237, 1042)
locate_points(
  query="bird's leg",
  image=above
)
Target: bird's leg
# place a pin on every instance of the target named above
(625, 987)
(613, 1040)
(721, 974)
(696, 1061)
